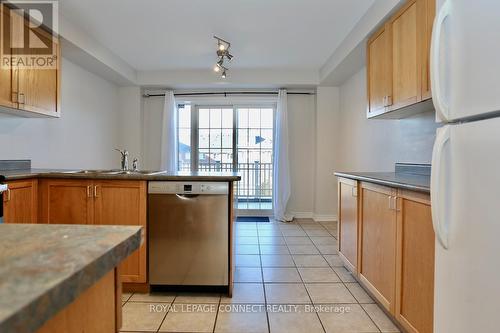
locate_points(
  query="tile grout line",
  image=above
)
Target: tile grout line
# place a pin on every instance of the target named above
(164, 317)
(217, 313)
(263, 284)
(307, 291)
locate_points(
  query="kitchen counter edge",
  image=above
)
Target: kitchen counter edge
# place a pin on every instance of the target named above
(63, 174)
(393, 179)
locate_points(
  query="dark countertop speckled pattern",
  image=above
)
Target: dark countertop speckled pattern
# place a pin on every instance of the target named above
(177, 176)
(408, 181)
(43, 267)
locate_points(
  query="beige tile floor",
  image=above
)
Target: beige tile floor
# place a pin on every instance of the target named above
(288, 278)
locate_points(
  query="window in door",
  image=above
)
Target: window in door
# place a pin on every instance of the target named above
(255, 158)
(215, 139)
(231, 138)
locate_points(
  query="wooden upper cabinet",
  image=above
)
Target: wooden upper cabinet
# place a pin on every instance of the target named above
(405, 88)
(378, 81)
(20, 202)
(30, 91)
(415, 263)
(66, 201)
(427, 12)
(7, 89)
(348, 223)
(120, 202)
(39, 89)
(378, 242)
(398, 68)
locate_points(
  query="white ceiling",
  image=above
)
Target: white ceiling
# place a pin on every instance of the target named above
(177, 34)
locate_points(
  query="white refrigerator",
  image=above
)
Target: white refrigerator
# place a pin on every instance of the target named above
(465, 179)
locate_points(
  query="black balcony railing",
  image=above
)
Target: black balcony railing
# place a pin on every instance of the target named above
(256, 183)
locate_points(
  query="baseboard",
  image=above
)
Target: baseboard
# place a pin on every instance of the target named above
(324, 217)
(315, 217)
(302, 215)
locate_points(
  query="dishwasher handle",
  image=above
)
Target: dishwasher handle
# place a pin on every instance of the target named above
(186, 196)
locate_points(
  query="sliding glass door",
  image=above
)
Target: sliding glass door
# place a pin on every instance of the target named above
(231, 138)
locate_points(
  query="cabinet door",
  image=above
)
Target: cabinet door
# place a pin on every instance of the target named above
(20, 202)
(378, 81)
(39, 88)
(427, 12)
(348, 223)
(8, 89)
(415, 264)
(124, 203)
(378, 242)
(405, 70)
(66, 201)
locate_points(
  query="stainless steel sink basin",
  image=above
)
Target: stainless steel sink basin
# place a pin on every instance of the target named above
(88, 171)
(113, 172)
(134, 172)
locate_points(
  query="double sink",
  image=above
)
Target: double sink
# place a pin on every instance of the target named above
(115, 172)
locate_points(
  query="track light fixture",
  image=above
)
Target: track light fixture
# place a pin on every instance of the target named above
(223, 54)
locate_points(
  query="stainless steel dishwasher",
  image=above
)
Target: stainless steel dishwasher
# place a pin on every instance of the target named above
(188, 233)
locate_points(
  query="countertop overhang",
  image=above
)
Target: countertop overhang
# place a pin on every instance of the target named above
(43, 268)
(407, 181)
(168, 176)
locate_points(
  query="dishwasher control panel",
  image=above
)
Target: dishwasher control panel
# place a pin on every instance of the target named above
(167, 187)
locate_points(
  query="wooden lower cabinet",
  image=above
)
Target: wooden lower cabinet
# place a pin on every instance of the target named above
(348, 222)
(378, 242)
(66, 201)
(92, 311)
(20, 201)
(109, 202)
(395, 243)
(415, 263)
(120, 202)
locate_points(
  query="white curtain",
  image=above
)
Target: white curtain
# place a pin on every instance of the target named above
(169, 134)
(281, 168)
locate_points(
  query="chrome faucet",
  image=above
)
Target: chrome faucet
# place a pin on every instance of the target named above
(124, 161)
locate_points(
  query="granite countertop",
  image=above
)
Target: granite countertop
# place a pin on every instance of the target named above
(43, 267)
(408, 181)
(175, 176)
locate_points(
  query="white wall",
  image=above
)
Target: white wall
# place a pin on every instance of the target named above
(302, 146)
(85, 135)
(376, 145)
(327, 112)
(130, 122)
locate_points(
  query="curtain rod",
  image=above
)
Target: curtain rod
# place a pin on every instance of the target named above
(231, 93)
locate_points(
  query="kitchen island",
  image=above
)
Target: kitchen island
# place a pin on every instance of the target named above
(62, 278)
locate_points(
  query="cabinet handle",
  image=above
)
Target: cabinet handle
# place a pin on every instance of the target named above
(89, 191)
(390, 202)
(354, 192)
(95, 192)
(23, 98)
(7, 197)
(396, 204)
(388, 100)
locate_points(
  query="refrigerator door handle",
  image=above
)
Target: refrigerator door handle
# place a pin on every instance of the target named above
(436, 89)
(438, 219)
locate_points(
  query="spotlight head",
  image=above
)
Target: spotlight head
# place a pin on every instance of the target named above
(216, 68)
(223, 74)
(222, 47)
(220, 62)
(229, 56)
